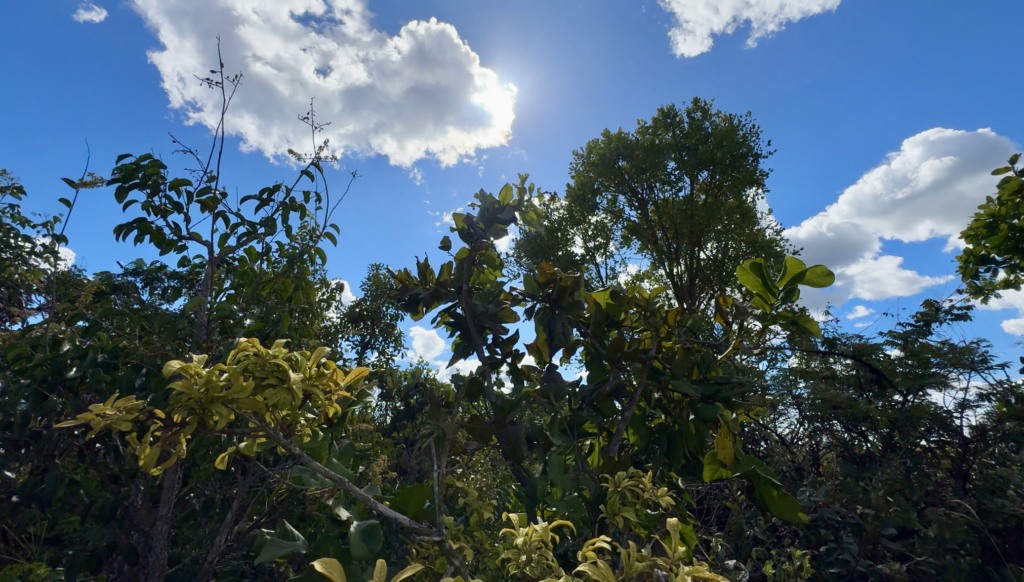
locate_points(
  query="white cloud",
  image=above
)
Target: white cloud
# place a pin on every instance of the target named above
(416, 175)
(927, 190)
(463, 367)
(347, 296)
(1009, 300)
(1013, 326)
(503, 244)
(697, 21)
(89, 13)
(883, 277)
(631, 270)
(426, 344)
(65, 256)
(446, 218)
(859, 311)
(419, 94)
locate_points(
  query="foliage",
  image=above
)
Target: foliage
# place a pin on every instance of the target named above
(680, 193)
(368, 327)
(653, 396)
(266, 390)
(993, 259)
(98, 343)
(896, 445)
(180, 420)
(28, 253)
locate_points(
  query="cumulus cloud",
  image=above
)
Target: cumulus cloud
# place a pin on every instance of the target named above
(1009, 300)
(347, 296)
(696, 22)
(65, 256)
(428, 346)
(463, 367)
(927, 190)
(89, 13)
(1013, 326)
(421, 93)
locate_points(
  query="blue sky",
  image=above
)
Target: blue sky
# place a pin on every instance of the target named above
(886, 117)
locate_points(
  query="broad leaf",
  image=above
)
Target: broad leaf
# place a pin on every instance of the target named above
(365, 539)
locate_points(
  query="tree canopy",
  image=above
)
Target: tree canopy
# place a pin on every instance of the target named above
(680, 195)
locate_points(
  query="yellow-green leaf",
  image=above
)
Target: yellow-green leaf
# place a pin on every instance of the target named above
(318, 355)
(407, 572)
(356, 375)
(329, 568)
(598, 570)
(69, 423)
(380, 571)
(223, 459)
(724, 446)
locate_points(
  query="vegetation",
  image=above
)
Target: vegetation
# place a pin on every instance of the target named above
(220, 414)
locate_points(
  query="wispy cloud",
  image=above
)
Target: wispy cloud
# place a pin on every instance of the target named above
(89, 13)
(422, 93)
(859, 311)
(697, 22)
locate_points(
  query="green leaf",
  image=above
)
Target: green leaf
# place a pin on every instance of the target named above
(792, 267)
(808, 323)
(179, 183)
(752, 275)
(778, 502)
(287, 542)
(365, 539)
(714, 470)
(818, 276)
(724, 447)
(1014, 159)
(446, 244)
(412, 500)
(329, 568)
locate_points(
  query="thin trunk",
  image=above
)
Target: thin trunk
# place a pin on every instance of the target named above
(226, 527)
(159, 545)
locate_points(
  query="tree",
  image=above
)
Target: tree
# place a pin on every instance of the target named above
(993, 259)
(654, 398)
(28, 254)
(369, 325)
(679, 195)
(899, 444)
(247, 267)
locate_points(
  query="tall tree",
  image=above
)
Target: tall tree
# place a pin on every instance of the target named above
(368, 327)
(680, 194)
